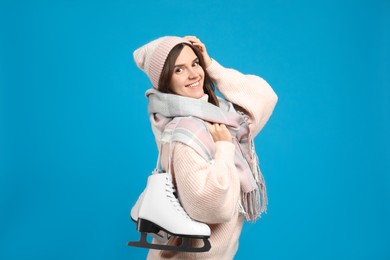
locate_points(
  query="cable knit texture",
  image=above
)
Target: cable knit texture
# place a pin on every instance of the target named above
(151, 57)
(209, 191)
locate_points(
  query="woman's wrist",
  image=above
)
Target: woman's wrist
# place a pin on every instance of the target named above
(208, 62)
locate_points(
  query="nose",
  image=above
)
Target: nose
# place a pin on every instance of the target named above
(192, 73)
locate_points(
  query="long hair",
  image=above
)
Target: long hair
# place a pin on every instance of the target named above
(164, 83)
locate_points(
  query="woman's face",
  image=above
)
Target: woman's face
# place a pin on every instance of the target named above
(188, 76)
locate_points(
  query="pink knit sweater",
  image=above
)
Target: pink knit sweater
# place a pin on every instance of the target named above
(209, 191)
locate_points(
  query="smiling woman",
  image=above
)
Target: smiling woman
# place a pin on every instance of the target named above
(209, 181)
(184, 67)
(187, 79)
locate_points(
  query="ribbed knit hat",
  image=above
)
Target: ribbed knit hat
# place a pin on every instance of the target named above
(150, 58)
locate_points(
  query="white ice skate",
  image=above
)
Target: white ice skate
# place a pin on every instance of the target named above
(157, 209)
(161, 236)
(135, 208)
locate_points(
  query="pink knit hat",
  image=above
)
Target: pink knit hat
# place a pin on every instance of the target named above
(151, 57)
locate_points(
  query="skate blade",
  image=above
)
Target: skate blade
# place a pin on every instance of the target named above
(184, 247)
(163, 238)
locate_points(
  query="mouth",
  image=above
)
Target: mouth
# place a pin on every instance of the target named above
(193, 85)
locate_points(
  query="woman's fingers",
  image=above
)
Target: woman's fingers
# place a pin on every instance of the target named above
(202, 47)
(192, 38)
(195, 41)
(219, 132)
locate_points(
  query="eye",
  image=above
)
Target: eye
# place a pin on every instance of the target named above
(178, 70)
(195, 64)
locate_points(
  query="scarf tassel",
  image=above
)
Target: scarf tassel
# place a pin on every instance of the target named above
(255, 202)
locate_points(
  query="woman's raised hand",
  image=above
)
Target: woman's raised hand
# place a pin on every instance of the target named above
(198, 44)
(219, 132)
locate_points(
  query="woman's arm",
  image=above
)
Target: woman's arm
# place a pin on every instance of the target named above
(250, 93)
(209, 192)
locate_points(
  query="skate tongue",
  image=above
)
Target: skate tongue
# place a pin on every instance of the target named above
(171, 193)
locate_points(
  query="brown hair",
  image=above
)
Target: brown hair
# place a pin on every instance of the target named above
(164, 83)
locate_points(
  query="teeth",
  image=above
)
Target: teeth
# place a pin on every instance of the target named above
(194, 85)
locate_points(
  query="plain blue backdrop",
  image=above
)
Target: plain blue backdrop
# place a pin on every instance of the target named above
(76, 145)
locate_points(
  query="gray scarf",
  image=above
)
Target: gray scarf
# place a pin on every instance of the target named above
(189, 128)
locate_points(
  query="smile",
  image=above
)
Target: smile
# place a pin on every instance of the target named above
(193, 85)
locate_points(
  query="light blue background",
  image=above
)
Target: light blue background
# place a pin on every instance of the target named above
(76, 144)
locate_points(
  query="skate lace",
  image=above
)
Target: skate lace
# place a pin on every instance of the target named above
(171, 195)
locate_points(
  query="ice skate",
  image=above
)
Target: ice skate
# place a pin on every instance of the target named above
(157, 209)
(135, 208)
(161, 236)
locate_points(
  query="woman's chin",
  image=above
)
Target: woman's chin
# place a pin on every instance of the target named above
(198, 93)
(197, 96)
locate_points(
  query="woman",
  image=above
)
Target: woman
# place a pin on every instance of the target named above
(211, 153)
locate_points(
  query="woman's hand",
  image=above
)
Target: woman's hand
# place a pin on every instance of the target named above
(219, 132)
(198, 44)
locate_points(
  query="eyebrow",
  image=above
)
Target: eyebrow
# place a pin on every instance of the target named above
(179, 65)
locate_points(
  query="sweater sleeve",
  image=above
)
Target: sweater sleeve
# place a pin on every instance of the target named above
(207, 191)
(250, 93)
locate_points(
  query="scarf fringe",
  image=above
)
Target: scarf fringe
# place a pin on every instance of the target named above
(255, 203)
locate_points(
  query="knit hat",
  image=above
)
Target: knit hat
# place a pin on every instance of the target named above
(151, 57)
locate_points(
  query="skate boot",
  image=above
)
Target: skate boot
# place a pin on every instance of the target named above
(157, 209)
(135, 208)
(161, 236)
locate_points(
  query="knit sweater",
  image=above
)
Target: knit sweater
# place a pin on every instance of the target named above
(209, 191)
